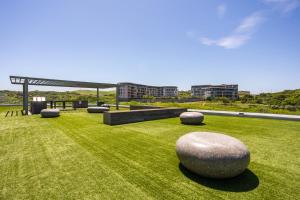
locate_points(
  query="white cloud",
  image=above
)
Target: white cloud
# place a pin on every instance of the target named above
(190, 34)
(244, 31)
(233, 41)
(284, 6)
(229, 42)
(250, 23)
(221, 9)
(207, 41)
(241, 34)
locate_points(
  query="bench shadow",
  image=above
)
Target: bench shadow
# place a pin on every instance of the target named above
(246, 181)
(202, 124)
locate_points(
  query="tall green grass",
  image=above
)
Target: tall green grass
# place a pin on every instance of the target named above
(207, 105)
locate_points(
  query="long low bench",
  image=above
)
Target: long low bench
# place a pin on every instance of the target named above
(142, 107)
(124, 117)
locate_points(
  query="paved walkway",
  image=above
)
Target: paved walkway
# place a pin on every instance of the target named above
(249, 114)
(243, 114)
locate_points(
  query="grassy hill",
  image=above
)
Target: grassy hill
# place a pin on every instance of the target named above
(15, 97)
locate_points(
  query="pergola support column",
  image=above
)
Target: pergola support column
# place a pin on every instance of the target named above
(97, 96)
(117, 96)
(25, 96)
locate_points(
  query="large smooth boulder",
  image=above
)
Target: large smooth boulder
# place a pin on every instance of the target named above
(49, 113)
(191, 118)
(97, 109)
(212, 155)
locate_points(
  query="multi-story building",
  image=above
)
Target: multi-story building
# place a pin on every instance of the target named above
(128, 91)
(213, 91)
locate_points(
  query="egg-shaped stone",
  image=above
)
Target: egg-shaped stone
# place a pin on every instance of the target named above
(49, 113)
(212, 155)
(192, 118)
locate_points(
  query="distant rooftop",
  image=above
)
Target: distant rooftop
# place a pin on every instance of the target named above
(129, 83)
(220, 85)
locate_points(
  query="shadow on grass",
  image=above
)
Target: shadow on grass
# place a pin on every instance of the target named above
(201, 124)
(247, 181)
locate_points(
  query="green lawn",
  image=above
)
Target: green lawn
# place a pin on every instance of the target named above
(76, 156)
(9, 108)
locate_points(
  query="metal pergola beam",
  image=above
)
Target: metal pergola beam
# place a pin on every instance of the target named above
(60, 83)
(26, 81)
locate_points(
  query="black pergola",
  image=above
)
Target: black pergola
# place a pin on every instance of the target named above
(26, 81)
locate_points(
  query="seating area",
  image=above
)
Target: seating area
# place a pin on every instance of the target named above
(207, 154)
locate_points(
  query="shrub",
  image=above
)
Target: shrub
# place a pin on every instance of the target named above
(252, 105)
(247, 98)
(259, 101)
(263, 110)
(275, 107)
(209, 98)
(224, 100)
(291, 108)
(243, 100)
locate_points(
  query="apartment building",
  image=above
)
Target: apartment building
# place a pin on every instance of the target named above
(129, 91)
(214, 91)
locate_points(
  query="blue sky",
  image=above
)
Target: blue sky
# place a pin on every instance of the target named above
(254, 43)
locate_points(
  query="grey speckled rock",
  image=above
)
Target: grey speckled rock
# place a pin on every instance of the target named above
(97, 109)
(191, 118)
(48, 113)
(212, 155)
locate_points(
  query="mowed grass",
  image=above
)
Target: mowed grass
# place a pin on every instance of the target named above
(4, 109)
(76, 156)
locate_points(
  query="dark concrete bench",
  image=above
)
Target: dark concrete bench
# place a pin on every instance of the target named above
(124, 117)
(142, 107)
